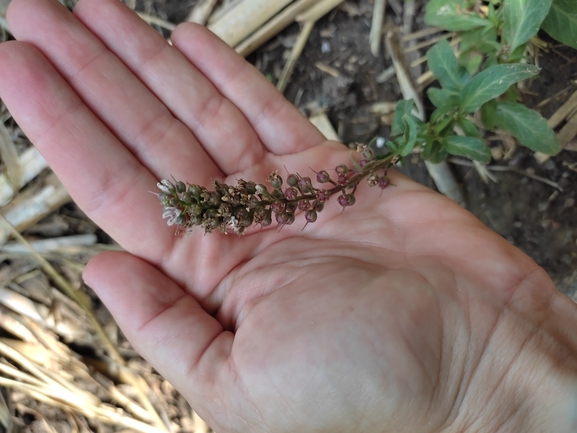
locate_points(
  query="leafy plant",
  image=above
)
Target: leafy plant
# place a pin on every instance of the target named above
(493, 41)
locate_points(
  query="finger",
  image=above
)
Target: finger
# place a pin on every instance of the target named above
(119, 99)
(280, 126)
(217, 123)
(163, 323)
(103, 177)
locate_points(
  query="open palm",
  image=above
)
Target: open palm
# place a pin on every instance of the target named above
(382, 317)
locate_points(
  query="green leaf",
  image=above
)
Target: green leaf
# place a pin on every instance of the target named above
(440, 112)
(521, 20)
(410, 134)
(469, 128)
(443, 97)
(561, 23)
(444, 126)
(453, 15)
(444, 66)
(471, 62)
(483, 39)
(489, 114)
(469, 147)
(528, 127)
(434, 152)
(402, 108)
(493, 82)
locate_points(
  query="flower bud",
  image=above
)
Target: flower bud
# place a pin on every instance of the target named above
(384, 182)
(253, 202)
(323, 176)
(278, 194)
(250, 187)
(262, 216)
(181, 220)
(214, 199)
(180, 187)
(225, 210)
(262, 189)
(367, 154)
(304, 205)
(293, 179)
(346, 200)
(244, 217)
(165, 186)
(194, 190)
(277, 207)
(342, 179)
(341, 168)
(221, 188)
(164, 198)
(305, 184)
(275, 180)
(310, 216)
(195, 210)
(285, 218)
(318, 206)
(291, 193)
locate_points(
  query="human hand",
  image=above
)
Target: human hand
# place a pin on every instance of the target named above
(403, 312)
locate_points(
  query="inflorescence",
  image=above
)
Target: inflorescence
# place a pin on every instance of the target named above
(238, 207)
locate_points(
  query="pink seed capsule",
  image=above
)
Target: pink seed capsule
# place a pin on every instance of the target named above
(323, 177)
(310, 216)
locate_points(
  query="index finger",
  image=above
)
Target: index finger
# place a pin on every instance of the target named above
(103, 176)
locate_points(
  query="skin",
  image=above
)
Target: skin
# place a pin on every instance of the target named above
(402, 313)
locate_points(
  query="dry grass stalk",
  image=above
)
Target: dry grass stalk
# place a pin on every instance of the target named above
(246, 17)
(153, 20)
(324, 125)
(31, 164)
(569, 130)
(82, 300)
(308, 19)
(55, 385)
(5, 417)
(11, 322)
(29, 208)
(272, 27)
(319, 10)
(201, 11)
(199, 425)
(440, 173)
(567, 111)
(327, 69)
(51, 244)
(569, 107)
(427, 31)
(10, 158)
(428, 42)
(222, 10)
(376, 34)
(382, 107)
(294, 55)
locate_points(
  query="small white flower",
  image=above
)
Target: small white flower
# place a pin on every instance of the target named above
(172, 214)
(165, 186)
(233, 223)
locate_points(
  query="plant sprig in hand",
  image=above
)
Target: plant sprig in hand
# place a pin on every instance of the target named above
(237, 207)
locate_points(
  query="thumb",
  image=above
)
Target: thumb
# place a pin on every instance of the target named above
(166, 325)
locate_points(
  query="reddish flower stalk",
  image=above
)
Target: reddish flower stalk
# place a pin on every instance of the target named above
(237, 207)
